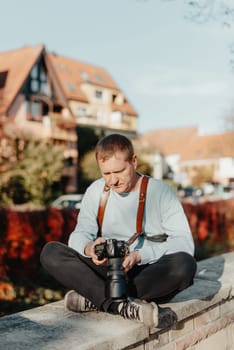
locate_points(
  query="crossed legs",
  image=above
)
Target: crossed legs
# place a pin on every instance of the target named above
(158, 282)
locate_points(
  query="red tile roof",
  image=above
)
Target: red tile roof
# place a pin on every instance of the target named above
(168, 141)
(73, 73)
(188, 144)
(18, 63)
(209, 147)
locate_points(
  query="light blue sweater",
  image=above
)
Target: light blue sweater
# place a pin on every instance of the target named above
(163, 214)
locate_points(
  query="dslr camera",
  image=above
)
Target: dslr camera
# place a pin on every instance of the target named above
(114, 250)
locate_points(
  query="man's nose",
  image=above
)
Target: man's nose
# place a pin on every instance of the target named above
(113, 179)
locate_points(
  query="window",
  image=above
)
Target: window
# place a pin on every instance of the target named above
(34, 85)
(43, 76)
(116, 117)
(45, 89)
(114, 96)
(3, 77)
(34, 72)
(99, 78)
(34, 110)
(81, 112)
(98, 94)
(84, 75)
(38, 82)
(70, 86)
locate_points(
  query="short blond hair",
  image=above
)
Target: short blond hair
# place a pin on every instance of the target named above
(109, 145)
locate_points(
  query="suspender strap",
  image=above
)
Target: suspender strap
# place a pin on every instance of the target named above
(140, 211)
(141, 205)
(101, 209)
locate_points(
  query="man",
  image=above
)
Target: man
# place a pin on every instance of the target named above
(159, 262)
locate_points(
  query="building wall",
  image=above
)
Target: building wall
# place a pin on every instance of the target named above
(226, 169)
(18, 107)
(98, 111)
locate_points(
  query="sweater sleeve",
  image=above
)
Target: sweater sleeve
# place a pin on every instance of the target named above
(171, 220)
(86, 228)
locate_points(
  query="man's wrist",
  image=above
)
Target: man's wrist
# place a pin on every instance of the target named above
(138, 256)
(88, 249)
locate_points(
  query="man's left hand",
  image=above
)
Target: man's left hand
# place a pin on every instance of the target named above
(130, 260)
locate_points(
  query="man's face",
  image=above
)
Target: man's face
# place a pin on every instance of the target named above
(119, 173)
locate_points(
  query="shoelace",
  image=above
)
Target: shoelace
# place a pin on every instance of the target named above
(129, 311)
(89, 305)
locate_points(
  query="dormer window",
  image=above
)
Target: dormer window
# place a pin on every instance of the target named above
(114, 96)
(84, 75)
(70, 87)
(99, 78)
(117, 99)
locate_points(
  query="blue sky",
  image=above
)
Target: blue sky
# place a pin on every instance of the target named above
(175, 72)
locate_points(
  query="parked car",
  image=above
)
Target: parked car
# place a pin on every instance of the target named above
(68, 201)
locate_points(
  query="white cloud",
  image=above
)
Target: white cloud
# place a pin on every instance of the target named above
(156, 85)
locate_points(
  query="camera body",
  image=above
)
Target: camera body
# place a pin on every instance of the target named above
(114, 250)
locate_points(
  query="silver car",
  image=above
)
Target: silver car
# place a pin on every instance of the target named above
(68, 201)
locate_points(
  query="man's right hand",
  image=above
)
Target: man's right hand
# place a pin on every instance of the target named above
(89, 251)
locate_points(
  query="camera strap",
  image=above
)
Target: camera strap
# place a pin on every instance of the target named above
(101, 209)
(140, 210)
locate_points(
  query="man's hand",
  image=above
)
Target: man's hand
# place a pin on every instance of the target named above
(89, 251)
(130, 260)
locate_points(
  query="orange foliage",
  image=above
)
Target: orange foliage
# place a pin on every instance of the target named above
(213, 220)
(25, 233)
(7, 291)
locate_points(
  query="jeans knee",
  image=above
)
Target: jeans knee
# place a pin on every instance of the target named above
(48, 254)
(185, 268)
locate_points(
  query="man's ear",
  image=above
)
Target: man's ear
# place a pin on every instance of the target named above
(134, 160)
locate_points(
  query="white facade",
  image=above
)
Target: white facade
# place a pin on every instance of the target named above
(225, 170)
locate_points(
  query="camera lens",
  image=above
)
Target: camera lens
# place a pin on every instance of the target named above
(116, 285)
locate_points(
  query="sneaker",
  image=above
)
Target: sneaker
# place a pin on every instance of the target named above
(76, 302)
(166, 317)
(140, 311)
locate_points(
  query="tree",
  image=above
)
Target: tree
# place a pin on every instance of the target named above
(205, 10)
(31, 177)
(229, 121)
(202, 174)
(87, 140)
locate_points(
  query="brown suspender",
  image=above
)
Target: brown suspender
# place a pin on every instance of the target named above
(101, 209)
(140, 211)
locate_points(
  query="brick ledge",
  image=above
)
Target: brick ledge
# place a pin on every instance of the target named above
(51, 327)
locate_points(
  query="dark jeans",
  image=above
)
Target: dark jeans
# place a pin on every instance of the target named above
(159, 281)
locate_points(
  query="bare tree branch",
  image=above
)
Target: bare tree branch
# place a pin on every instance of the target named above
(207, 10)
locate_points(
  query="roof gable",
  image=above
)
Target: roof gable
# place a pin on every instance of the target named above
(17, 64)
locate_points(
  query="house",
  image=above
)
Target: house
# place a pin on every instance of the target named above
(46, 95)
(213, 153)
(192, 158)
(93, 96)
(163, 148)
